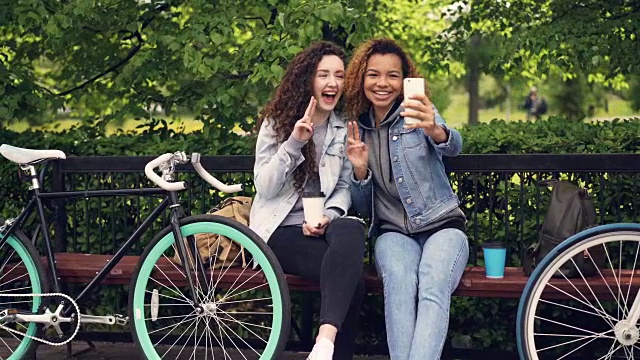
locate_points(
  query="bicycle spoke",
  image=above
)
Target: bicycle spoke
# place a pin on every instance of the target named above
(184, 300)
(616, 278)
(17, 302)
(591, 290)
(233, 342)
(247, 300)
(245, 291)
(243, 324)
(565, 325)
(15, 289)
(178, 339)
(612, 350)
(585, 302)
(7, 345)
(170, 289)
(173, 326)
(635, 262)
(576, 349)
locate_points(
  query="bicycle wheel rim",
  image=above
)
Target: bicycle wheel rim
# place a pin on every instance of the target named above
(278, 303)
(25, 345)
(585, 300)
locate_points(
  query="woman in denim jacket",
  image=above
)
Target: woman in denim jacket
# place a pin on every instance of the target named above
(400, 183)
(301, 148)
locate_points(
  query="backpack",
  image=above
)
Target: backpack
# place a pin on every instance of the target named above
(542, 107)
(570, 211)
(226, 252)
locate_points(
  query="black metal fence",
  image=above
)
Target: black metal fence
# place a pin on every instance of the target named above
(499, 195)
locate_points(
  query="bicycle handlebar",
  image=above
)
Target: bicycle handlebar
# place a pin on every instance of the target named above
(168, 161)
(160, 160)
(204, 174)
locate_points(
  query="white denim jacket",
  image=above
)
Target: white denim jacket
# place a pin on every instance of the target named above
(273, 176)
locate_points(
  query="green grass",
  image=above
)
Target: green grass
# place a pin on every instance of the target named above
(457, 114)
(185, 124)
(618, 108)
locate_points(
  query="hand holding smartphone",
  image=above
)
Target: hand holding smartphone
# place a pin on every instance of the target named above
(412, 86)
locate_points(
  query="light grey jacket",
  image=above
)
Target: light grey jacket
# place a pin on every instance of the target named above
(273, 175)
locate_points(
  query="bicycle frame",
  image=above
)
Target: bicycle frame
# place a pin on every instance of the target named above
(170, 200)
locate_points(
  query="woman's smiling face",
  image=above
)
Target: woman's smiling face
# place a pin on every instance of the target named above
(383, 81)
(328, 82)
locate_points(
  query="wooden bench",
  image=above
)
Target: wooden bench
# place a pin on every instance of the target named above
(82, 268)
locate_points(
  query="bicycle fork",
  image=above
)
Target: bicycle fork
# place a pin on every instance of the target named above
(186, 259)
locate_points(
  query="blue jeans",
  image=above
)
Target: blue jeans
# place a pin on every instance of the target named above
(419, 275)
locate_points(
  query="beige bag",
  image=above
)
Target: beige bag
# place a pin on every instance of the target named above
(225, 252)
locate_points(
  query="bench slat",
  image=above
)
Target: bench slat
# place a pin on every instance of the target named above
(82, 268)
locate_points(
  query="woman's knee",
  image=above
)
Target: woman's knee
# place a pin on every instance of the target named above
(443, 261)
(347, 225)
(347, 233)
(397, 257)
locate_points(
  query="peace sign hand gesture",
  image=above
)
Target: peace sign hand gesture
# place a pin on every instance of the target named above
(303, 129)
(357, 151)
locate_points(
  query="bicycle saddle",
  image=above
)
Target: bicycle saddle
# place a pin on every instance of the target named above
(28, 156)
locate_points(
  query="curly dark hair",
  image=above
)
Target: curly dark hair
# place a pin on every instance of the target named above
(357, 102)
(291, 98)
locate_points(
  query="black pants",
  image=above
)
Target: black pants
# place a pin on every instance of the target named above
(335, 261)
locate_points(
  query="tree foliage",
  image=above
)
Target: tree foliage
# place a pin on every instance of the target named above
(114, 59)
(593, 37)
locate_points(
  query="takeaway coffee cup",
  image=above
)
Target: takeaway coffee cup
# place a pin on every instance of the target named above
(313, 205)
(495, 255)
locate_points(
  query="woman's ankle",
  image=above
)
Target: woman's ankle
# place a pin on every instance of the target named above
(328, 332)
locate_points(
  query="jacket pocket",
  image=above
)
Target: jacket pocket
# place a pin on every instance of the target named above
(336, 149)
(412, 138)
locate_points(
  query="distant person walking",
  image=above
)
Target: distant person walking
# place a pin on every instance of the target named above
(534, 104)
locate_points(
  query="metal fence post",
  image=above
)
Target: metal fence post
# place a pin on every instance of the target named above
(60, 211)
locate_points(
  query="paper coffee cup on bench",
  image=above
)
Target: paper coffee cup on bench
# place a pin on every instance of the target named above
(495, 255)
(313, 205)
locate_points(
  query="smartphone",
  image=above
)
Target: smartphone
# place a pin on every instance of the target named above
(412, 86)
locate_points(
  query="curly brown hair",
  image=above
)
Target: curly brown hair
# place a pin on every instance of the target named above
(357, 102)
(291, 98)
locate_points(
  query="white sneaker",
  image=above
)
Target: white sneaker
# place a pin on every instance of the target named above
(322, 350)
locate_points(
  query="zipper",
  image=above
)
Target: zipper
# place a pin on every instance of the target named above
(406, 222)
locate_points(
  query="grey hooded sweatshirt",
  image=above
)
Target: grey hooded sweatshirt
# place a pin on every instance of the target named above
(388, 206)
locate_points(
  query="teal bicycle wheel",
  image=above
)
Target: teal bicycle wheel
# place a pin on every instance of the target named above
(21, 272)
(242, 311)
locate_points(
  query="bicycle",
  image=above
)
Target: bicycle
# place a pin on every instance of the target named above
(175, 311)
(588, 317)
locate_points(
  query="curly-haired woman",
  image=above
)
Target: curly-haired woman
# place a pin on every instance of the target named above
(400, 182)
(301, 147)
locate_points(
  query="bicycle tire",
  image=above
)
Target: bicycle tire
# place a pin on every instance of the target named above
(19, 250)
(148, 329)
(533, 309)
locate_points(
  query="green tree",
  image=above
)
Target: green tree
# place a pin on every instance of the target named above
(591, 36)
(114, 59)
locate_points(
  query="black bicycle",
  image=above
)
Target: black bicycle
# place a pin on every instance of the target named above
(177, 309)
